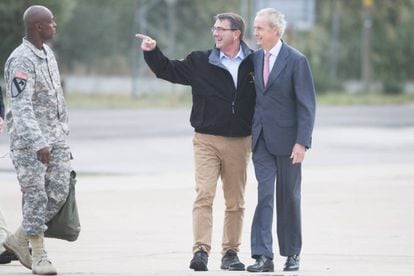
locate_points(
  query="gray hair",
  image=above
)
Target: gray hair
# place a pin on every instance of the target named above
(236, 21)
(275, 17)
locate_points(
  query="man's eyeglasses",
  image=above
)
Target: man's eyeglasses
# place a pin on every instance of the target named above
(220, 29)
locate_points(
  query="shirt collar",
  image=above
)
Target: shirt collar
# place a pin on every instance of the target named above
(240, 55)
(276, 49)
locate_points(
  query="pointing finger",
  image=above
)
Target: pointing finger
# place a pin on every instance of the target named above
(144, 37)
(141, 36)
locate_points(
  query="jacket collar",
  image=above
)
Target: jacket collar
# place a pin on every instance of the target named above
(214, 57)
(279, 65)
(280, 62)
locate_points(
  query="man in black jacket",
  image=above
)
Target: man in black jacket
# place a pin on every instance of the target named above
(223, 103)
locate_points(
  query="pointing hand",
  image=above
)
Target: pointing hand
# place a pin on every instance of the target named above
(148, 44)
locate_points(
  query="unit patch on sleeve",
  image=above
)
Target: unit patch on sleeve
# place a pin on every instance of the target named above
(18, 83)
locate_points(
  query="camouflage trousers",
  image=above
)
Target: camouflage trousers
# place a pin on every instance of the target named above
(3, 232)
(44, 187)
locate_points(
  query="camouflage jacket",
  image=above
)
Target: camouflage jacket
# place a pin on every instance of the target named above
(37, 116)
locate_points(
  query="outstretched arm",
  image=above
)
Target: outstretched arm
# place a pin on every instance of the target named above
(175, 71)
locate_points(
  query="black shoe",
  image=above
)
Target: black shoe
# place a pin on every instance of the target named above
(230, 261)
(262, 264)
(199, 261)
(6, 257)
(292, 263)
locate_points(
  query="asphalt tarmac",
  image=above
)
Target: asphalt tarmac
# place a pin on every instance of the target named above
(136, 187)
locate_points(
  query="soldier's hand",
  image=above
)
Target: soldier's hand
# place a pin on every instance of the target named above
(43, 155)
(148, 44)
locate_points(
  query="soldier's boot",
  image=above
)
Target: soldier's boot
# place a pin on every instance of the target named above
(18, 243)
(41, 264)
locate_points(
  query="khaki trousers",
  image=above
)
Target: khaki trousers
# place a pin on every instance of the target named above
(227, 158)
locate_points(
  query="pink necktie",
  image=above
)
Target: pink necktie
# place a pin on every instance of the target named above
(266, 68)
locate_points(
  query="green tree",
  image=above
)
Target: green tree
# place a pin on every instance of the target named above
(392, 54)
(99, 37)
(392, 43)
(11, 21)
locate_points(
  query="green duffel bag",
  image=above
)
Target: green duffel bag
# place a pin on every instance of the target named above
(65, 225)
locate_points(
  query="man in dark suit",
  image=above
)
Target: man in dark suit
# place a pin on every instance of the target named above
(282, 129)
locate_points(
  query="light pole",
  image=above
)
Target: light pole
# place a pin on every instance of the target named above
(366, 46)
(333, 56)
(140, 24)
(172, 23)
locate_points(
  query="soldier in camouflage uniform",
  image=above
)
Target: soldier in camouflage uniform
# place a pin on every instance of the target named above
(5, 256)
(3, 229)
(37, 125)
(1, 111)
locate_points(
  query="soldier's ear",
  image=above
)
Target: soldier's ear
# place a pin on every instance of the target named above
(38, 26)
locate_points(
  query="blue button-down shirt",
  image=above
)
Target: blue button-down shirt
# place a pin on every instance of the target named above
(232, 64)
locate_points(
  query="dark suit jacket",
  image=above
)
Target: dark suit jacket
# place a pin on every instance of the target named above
(285, 109)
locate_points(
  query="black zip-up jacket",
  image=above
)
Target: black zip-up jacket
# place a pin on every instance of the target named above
(218, 107)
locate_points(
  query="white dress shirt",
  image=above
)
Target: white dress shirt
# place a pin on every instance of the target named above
(274, 53)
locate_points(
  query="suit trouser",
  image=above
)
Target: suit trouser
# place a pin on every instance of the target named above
(225, 157)
(44, 187)
(268, 168)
